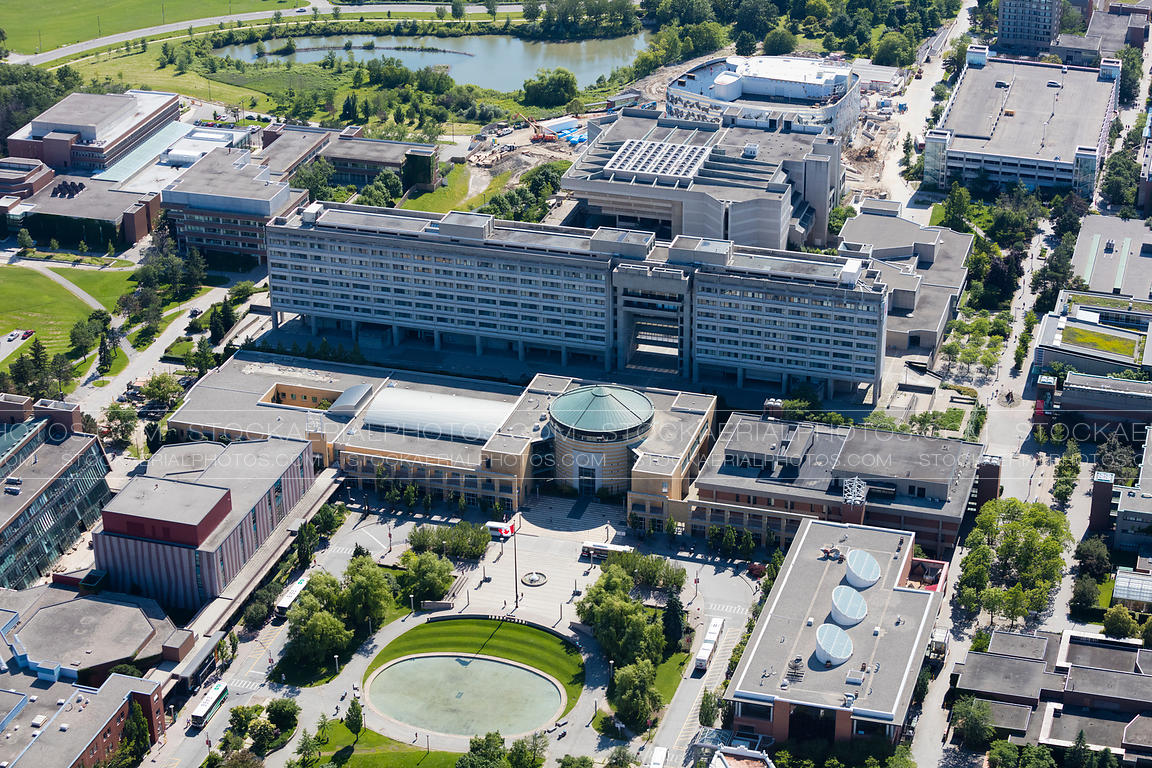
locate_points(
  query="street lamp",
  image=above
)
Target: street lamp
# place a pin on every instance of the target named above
(412, 603)
(611, 674)
(336, 658)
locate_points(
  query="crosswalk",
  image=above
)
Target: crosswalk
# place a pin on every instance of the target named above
(732, 609)
(243, 684)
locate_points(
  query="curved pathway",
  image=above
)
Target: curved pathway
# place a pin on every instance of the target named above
(68, 285)
(181, 26)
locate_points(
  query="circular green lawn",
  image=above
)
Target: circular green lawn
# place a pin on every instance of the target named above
(516, 642)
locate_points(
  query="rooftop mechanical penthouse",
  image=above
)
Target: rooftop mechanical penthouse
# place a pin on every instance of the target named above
(694, 307)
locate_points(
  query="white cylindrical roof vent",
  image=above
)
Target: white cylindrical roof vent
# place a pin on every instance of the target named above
(863, 570)
(848, 606)
(833, 646)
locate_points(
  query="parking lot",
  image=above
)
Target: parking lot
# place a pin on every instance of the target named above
(8, 344)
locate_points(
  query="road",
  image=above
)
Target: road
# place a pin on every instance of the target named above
(181, 26)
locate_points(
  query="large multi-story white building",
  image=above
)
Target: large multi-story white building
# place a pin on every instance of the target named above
(610, 297)
(789, 93)
(1009, 121)
(763, 183)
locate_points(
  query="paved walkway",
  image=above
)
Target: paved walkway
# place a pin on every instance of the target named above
(67, 284)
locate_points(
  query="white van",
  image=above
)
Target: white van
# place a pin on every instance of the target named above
(659, 755)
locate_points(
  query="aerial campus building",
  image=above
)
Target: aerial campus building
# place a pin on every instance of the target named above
(766, 185)
(767, 475)
(88, 131)
(457, 437)
(605, 297)
(183, 530)
(1009, 121)
(1048, 688)
(54, 479)
(777, 93)
(837, 648)
(1028, 26)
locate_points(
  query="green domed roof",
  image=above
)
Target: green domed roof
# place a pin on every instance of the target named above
(601, 408)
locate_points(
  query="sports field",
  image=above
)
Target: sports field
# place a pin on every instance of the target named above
(31, 27)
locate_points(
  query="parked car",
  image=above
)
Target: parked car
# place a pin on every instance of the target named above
(27, 333)
(194, 313)
(14, 335)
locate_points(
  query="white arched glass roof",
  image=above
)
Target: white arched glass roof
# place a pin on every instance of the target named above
(437, 415)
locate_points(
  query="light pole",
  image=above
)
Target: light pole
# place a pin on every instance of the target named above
(515, 565)
(336, 658)
(611, 675)
(412, 603)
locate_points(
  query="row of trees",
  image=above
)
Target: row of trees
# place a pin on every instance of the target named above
(529, 200)
(463, 541)
(488, 751)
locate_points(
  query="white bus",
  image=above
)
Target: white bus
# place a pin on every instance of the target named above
(208, 706)
(595, 550)
(704, 655)
(711, 642)
(500, 531)
(290, 595)
(659, 755)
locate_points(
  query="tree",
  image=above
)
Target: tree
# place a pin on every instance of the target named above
(528, 752)
(1119, 622)
(490, 6)
(1092, 554)
(1117, 457)
(136, 739)
(1080, 755)
(240, 717)
(1003, 754)
(894, 50)
(956, 207)
(242, 758)
(620, 757)
(530, 9)
(262, 732)
(193, 274)
(60, 371)
(427, 576)
(354, 719)
(322, 723)
(1131, 66)
(306, 540)
(779, 41)
(83, 335)
(121, 421)
(1085, 593)
(457, 9)
(485, 751)
(25, 241)
(673, 619)
(972, 719)
(551, 88)
(576, 761)
(745, 43)
(126, 669)
(709, 708)
(201, 358)
(164, 387)
(240, 292)
(306, 746)
(282, 713)
(367, 594)
(636, 694)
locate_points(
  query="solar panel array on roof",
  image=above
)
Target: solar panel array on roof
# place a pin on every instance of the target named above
(658, 158)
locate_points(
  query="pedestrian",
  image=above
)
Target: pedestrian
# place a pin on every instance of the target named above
(505, 606)
(415, 737)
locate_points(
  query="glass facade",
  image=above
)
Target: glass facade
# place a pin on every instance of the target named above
(52, 521)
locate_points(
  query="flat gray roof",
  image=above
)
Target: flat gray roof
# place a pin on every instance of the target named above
(887, 646)
(1047, 123)
(372, 150)
(997, 675)
(228, 172)
(284, 154)
(156, 498)
(99, 200)
(833, 453)
(1114, 256)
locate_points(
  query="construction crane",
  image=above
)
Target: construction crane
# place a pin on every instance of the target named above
(539, 132)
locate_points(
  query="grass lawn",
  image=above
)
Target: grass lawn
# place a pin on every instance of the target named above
(103, 286)
(669, 674)
(141, 338)
(372, 750)
(31, 300)
(1105, 598)
(517, 642)
(495, 186)
(446, 198)
(29, 27)
(1104, 342)
(179, 348)
(139, 69)
(937, 215)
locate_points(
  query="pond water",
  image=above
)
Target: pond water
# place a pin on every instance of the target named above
(501, 62)
(465, 695)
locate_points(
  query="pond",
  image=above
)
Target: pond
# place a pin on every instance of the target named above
(500, 62)
(458, 694)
